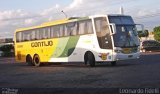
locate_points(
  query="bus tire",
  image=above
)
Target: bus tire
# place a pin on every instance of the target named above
(89, 59)
(36, 60)
(113, 63)
(29, 60)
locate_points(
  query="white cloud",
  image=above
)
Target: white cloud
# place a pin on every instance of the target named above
(51, 10)
(12, 19)
(13, 14)
(76, 3)
(29, 21)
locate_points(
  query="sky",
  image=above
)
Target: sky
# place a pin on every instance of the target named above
(25, 13)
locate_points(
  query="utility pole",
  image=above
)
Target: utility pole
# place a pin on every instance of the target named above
(64, 14)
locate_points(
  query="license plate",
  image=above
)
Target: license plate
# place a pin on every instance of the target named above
(127, 50)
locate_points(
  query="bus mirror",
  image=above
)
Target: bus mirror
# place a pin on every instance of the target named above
(140, 29)
(113, 28)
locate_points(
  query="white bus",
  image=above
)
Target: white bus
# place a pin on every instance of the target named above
(100, 38)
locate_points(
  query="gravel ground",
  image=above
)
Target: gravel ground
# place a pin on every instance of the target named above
(141, 73)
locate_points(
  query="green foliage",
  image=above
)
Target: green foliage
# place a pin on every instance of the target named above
(157, 33)
(143, 34)
(6, 49)
(7, 54)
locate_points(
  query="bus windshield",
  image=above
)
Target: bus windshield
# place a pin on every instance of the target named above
(126, 36)
(126, 32)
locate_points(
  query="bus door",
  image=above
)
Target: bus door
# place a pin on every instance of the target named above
(103, 34)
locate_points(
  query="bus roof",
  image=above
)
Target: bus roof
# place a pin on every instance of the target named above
(62, 21)
(103, 15)
(51, 23)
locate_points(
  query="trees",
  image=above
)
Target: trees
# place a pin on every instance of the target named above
(157, 33)
(6, 49)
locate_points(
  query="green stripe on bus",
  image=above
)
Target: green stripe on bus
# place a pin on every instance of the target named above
(72, 42)
(62, 42)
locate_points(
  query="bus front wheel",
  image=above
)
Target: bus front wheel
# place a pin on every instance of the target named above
(36, 60)
(113, 63)
(89, 59)
(29, 60)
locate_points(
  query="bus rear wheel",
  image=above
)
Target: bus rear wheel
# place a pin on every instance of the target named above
(36, 60)
(29, 60)
(89, 59)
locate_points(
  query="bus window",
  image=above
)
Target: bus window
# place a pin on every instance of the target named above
(49, 32)
(82, 28)
(33, 35)
(54, 32)
(61, 30)
(89, 27)
(98, 25)
(19, 37)
(44, 33)
(37, 34)
(40, 33)
(103, 33)
(26, 35)
(85, 27)
(101, 26)
(71, 29)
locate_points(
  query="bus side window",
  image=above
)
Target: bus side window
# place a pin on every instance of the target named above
(71, 29)
(101, 27)
(26, 35)
(18, 37)
(44, 33)
(23, 38)
(89, 27)
(49, 32)
(81, 28)
(61, 30)
(40, 33)
(75, 29)
(98, 25)
(85, 27)
(54, 32)
(33, 35)
(65, 30)
(37, 34)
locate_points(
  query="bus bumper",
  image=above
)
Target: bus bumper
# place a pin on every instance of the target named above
(121, 56)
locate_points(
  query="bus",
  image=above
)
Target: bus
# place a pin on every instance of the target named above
(92, 39)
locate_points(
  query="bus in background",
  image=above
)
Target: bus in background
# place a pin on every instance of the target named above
(100, 38)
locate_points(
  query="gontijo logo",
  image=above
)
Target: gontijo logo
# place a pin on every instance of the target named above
(42, 44)
(103, 56)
